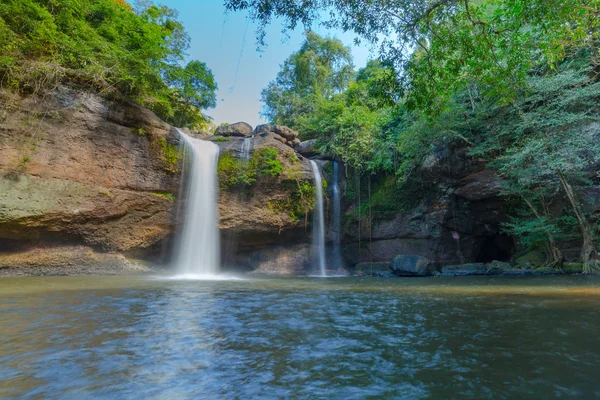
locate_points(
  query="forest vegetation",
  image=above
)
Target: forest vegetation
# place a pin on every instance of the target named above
(516, 82)
(131, 52)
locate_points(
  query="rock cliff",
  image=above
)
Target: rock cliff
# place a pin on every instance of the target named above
(84, 180)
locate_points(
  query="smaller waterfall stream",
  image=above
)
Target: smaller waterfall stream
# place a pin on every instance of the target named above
(198, 253)
(336, 217)
(246, 148)
(318, 238)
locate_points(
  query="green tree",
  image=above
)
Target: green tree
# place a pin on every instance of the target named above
(318, 71)
(106, 45)
(444, 45)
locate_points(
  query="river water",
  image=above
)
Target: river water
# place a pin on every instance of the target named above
(348, 338)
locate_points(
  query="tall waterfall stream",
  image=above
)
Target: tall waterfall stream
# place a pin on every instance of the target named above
(198, 252)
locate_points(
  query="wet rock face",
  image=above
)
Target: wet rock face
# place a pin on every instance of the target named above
(281, 260)
(256, 221)
(455, 217)
(86, 169)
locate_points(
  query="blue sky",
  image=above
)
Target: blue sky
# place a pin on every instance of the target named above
(218, 40)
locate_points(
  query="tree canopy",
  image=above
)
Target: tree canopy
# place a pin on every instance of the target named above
(106, 44)
(513, 81)
(320, 69)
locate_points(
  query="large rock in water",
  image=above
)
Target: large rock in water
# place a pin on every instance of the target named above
(97, 172)
(403, 265)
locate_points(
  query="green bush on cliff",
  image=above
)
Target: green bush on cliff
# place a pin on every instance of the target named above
(107, 45)
(240, 173)
(265, 163)
(234, 173)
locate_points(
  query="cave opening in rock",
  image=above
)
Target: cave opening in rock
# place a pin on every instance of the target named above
(496, 248)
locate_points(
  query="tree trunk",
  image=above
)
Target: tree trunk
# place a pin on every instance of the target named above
(555, 253)
(584, 226)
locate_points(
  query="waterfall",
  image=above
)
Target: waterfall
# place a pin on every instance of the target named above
(336, 217)
(246, 148)
(318, 221)
(198, 254)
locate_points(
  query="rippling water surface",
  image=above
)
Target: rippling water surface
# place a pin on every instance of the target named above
(349, 338)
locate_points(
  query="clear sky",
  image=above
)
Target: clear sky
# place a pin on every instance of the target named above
(224, 40)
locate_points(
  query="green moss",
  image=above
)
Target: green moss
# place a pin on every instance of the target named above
(221, 139)
(168, 196)
(292, 157)
(106, 193)
(139, 131)
(170, 156)
(24, 161)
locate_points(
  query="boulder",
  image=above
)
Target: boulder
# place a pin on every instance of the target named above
(238, 129)
(285, 132)
(262, 129)
(308, 148)
(496, 267)
(411, 265)
(295, 143)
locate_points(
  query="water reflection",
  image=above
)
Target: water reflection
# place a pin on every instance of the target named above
(302, 338)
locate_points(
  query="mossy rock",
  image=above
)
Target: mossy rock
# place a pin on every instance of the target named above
(547, 271)
(573, 268)
(532, 259)
(496, 267)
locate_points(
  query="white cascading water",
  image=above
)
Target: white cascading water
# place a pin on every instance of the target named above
(198, 255)
(336, 217)
(318, 222)
(246, 148)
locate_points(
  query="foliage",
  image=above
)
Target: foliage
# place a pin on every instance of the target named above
(265, 163)
(299, 203)
(319, 70)
(445, 45)
(168, 196)
(514, 81)
(221, 139)
(169, 155)
(104, 44)
(236, 173)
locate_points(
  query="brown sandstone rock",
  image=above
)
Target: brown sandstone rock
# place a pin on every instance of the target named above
(91, 171)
